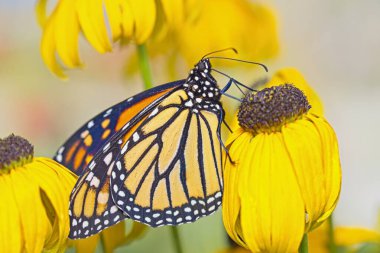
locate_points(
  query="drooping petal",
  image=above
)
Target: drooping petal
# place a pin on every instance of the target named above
(10, 218)
(87, 245)
(113, 237)
(308, 165)
(61, 33)
(144, 13)
(48, 174)
(34, 223)
(114, 17)
(66, 33)
(231, 200)
(41, 12)
(138, 229)
(272, 209)
(92, 22)
(331, 164)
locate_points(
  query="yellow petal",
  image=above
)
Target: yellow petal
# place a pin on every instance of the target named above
(272, 209)
(346, 236)
(144, 13)
(92, 21)
(33, 218)
(127, 19)
(48, 175)
(11, 238)
(41, 12)
(138, 229)
(331, 164)
(318, 239)
(114, 16)
(304, 145)
(87, 245)
(231, 200)
(293, 76)
(113, 237)
(48, 49)
(66, 33)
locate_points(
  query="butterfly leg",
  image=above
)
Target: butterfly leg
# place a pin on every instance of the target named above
(221, 119)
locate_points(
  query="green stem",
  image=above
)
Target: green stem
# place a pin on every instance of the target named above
(144, 66)
(304, 245)
(331, 242)
(177, 239)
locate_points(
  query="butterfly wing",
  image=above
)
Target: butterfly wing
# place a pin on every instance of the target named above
(91, 207)
(81, 147)
(169, 170)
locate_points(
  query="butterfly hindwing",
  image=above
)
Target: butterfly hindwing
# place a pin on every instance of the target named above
(92, 208)
(81, 147)
(169, 170)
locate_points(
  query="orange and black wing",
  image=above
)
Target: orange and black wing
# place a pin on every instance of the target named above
(81, 147)
(169, 171)
(92, 208)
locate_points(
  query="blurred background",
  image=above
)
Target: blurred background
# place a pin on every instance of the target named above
(335, 44)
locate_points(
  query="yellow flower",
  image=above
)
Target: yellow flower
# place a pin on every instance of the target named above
(348, 237)
(248, 26)
(35, 195)
(293, 76)
(284, 175)
(245, 25)
(128, 20)
(189, 28)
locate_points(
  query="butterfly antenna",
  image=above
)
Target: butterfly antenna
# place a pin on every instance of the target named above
(236, 82)
(221, 50)
(233, 59)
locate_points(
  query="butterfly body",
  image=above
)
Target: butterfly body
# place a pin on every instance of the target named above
(161, 167)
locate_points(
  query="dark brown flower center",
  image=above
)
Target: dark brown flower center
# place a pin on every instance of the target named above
(14, 151)
(269, 109)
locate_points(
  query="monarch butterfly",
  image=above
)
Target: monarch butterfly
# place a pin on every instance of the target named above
(155, 157)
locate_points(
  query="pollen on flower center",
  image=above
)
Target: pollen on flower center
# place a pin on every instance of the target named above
(14, 151)
(269, 109)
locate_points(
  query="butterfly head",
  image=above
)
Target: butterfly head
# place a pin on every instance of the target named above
(201, 85)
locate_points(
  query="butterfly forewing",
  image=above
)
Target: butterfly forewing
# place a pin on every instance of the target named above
(169, 171)
(81, 147)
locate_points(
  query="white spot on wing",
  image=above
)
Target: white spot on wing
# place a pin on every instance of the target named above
(125, 126)
(59, 158)
(154, 112)
(113, 209)
(106, 147)
(103, 197)
(108, 158)
(85, 224)
(189, 103)
(95, 182)
(136, 137)
(84, 133)
(90, 124)
(123, 150)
